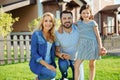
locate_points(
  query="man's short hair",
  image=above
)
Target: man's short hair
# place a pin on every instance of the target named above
(65, 12)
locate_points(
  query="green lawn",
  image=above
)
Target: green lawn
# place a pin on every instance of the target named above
(106, 69)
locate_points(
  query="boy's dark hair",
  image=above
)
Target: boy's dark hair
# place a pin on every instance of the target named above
(86, 6)
(66, 12)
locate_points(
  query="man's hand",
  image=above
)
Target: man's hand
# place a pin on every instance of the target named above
(60, 29)
(66, 56)
(62, 55)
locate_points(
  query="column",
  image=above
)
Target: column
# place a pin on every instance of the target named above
(116, 22)
(40, 8)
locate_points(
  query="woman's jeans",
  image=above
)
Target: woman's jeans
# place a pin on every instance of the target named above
(47, 74)
(65, 64)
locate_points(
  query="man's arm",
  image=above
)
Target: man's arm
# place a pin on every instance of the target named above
(58, 54)
(61, 55)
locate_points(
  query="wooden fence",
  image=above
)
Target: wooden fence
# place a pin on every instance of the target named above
(16, 48)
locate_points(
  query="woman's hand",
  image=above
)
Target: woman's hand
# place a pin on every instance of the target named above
(51, 67)
(44, 63)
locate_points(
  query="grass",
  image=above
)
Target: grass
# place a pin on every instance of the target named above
(106, 69)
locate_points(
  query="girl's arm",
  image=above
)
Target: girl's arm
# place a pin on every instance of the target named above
(98, 37)
(102, 50)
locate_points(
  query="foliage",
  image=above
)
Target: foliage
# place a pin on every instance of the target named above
(6, 22)
(34, 24)
(58, 23)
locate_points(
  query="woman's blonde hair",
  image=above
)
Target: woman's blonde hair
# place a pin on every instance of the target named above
(51, 38)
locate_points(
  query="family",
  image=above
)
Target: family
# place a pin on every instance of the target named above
(72, 43)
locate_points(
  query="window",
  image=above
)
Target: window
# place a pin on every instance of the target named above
(110, 25)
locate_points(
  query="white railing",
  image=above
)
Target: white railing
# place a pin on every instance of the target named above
(15, 48)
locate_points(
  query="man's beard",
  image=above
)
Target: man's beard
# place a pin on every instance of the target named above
(67, 27)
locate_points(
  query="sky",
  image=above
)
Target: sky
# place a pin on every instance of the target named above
(117, 1)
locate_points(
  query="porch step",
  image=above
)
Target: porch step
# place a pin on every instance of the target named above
(114, 52)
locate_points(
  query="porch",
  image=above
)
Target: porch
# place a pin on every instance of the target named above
(112, 44)
(110, 20)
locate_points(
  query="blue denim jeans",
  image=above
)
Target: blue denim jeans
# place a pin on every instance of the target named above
(46, 74)
(65, 64)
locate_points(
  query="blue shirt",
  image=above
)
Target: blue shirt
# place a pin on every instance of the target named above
(86, 29)
(68, 42)
(39, 51)
(48, 55)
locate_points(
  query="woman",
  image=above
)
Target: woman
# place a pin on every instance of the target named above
(42, 60)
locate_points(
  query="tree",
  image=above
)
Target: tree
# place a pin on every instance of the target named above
(6, 22)
(34, 24)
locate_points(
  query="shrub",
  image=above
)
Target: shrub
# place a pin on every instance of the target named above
(34, 24)
(6, 22)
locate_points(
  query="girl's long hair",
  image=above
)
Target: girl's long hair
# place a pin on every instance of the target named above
(51, 38)
(86, 6)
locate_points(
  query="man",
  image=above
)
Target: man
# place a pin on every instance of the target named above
(66, 45)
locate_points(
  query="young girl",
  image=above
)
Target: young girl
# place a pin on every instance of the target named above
(90, 47)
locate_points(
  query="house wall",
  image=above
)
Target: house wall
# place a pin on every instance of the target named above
(105, 22)
(76, 15)
(25, 14)
(99, 5)
(50, 8)
(104, 28)
(7, 1)
(96, 6)
(55, 7)
(28, 13)
(75, 11)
